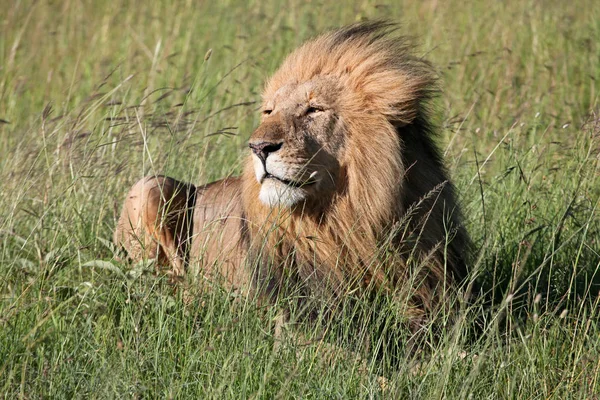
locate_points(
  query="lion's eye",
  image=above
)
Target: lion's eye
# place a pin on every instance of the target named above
(313, 110)
(267, 112)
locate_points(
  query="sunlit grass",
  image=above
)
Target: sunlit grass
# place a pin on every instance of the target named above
(95, 95)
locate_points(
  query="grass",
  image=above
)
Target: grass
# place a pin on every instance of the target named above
(94, 95)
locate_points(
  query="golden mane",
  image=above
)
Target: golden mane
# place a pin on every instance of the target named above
(394, 175)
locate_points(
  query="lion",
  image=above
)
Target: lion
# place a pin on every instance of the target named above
(343, 188)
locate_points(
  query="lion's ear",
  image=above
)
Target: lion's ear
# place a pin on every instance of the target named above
(395, 94)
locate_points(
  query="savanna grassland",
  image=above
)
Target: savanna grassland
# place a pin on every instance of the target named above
(94, 95)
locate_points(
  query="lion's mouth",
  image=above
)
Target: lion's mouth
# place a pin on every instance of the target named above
(296, 184)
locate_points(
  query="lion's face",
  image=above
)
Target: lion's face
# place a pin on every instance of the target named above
(297, 148)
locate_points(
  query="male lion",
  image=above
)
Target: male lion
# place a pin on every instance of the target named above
(342, 166)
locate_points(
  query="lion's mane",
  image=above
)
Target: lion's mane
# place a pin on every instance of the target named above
(394, 223)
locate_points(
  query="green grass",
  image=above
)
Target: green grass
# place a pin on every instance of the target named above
(94, 95)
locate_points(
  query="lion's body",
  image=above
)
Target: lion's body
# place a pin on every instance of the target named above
(343, 165)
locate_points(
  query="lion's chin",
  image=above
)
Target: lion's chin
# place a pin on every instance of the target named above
(277, 194)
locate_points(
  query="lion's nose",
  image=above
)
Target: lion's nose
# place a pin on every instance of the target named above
(263, 149)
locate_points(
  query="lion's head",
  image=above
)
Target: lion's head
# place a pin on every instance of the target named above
(344, 153)
(297, 149)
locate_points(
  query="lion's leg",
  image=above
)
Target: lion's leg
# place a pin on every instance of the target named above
(155, 221)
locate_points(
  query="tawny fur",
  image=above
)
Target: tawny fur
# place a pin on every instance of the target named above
(382, 184)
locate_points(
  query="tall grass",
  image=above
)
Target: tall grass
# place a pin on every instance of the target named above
(94, 95)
